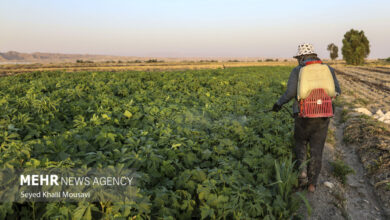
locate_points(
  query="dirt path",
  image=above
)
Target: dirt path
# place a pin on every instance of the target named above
(354, 200)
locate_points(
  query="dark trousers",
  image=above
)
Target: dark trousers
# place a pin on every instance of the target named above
(312, 131)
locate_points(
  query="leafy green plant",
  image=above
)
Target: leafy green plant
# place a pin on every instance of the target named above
(341, 170)
(200, 141)
(330, 138)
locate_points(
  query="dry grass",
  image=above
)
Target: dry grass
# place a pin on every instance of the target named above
(373, 140)
(10, 69)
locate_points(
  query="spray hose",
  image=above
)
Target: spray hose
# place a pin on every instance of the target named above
(284, 107)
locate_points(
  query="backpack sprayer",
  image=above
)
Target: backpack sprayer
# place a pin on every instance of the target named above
(315, 91)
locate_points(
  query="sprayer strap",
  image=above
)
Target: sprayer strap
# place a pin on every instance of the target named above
(313, 62)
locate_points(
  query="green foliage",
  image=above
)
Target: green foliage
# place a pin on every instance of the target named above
(84, 61)
(151, 61)
(208, 61)
(341, 170)
(200, 141)
(330, 138)
(356, 47)
(334, 51)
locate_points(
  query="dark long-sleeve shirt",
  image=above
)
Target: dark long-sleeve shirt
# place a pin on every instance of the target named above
(292, 85)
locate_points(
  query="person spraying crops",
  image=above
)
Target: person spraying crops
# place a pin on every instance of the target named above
(313, 85)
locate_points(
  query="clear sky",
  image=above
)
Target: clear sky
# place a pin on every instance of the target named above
(188, 28)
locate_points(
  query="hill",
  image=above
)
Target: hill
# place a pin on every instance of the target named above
(38, 57)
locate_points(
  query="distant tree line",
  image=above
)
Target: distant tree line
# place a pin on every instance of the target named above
(271, 60)
(154, 61)
(385, 59)
(121, 61)
(208, 61)
(84, 61)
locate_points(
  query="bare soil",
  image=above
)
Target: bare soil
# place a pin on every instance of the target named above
(367, 88)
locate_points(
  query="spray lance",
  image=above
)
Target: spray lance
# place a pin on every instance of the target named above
(284, 107)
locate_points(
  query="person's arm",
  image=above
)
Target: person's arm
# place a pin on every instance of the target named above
(336, 82)
(291, 91)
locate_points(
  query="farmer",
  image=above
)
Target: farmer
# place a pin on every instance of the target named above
(309, 128)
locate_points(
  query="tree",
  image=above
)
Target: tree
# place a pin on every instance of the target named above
(334, 51)
(356, 47)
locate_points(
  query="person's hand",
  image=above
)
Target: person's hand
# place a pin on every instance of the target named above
(276, 107)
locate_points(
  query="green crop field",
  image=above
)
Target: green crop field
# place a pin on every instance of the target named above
(199, 140)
